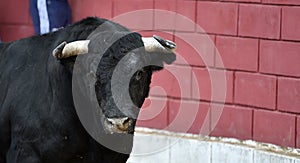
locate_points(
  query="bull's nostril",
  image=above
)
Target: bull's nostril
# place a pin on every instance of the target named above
(127, 120)
(125, 125)
(122, 124)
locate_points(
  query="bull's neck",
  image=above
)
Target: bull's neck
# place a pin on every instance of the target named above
(3, 46)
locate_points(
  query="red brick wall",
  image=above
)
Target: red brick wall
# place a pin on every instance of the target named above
(15, 21)
(259, 45)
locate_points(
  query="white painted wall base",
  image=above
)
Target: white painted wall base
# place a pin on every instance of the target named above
(155, 146)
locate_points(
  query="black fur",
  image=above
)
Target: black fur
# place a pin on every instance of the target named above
(38, 121)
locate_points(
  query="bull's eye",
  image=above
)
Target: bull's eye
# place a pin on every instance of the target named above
(139, 75)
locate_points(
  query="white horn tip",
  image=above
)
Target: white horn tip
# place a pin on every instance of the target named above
(165, 43)
(158, 44)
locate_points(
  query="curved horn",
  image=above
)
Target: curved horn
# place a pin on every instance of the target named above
(65, 50)
(158, 44)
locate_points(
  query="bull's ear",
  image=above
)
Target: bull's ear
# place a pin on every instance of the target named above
(66, 50)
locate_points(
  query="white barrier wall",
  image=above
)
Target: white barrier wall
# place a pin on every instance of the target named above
(154, 146)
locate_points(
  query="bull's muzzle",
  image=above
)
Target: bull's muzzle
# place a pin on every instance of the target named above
(119, 125)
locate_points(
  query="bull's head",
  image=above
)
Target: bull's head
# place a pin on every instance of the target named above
(131, 57)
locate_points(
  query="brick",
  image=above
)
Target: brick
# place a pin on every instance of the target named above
(10, 33)
(83, 9)
(289, 95)
(215, 17)
(104, 10)
(255, 90)
(234, 122)
(292, 2)
(298, 133)
(14, 12)
(154, 113)
(195, 49)
(161, 83)
(291, 23)
(164, 34)
(165, 14)
(134, 14)
(174, 80)
(242, 0)
(237, 53)
(259, 21)
(218, 83)
(121, 6)
(186, 16)
(280, 58)
(188, 117)
(274, 127)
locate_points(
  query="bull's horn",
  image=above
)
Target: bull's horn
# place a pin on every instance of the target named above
(65, 50)
(158, 44)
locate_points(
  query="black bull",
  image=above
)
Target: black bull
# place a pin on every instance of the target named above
(38, 119)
